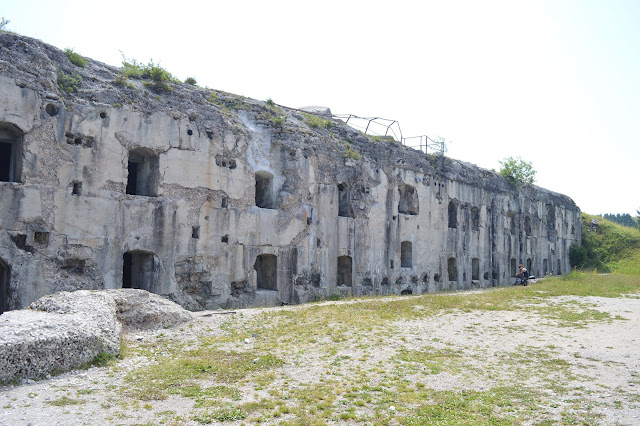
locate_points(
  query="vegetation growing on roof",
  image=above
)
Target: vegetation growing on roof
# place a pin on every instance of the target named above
(316, 122)
(153, 75)
(75, 58)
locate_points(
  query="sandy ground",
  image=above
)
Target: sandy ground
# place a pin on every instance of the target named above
(605, 357)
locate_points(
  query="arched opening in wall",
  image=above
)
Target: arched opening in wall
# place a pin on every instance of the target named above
(545, 267)
(406, 254)
(409, 203)
(10, 153)
(345, 270)
(5, 275)
(513, 225)
(527, 225)
(475, 269)
(559, 268)
(143, 172)
(344, 201)
(529, 271)
(264, 190)
(475, 218)
(140, 270)
(266, 267)
(514, 269)
(453, 215)
(452, 267)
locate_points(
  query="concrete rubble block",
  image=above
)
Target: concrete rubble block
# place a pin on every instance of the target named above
(66, 330)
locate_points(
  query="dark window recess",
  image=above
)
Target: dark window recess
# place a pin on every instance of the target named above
(345, 271)
(5, 161)
(74, 266)
(5, 276)
(409, 203)
(453, 215)
(545, 267)
(264, 190)
(559, 270)
(143, 173)
(195, 232)
(222, 161)
(391, 264)
(52, 110)
(514, 268)
(344, 201)
(10, 153)
(225, 239)
(139, 270)
(529, 271)
(41, 237)
(436, 277)
(225, 202)
(551, 221)
(452, 267)
(266, 267)
(527, 225)
(475, 269)
(406, 254)
(77, 188)
(475, 219)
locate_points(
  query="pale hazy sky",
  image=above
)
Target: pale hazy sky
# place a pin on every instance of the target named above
(556, 82)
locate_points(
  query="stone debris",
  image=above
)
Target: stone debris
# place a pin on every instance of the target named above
(66, 330)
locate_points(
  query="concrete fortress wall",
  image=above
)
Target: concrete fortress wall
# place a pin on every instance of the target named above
(205, 198)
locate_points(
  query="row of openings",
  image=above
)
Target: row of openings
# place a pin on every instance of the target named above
(453, 216)
(143, 178)
(452, 269)
(545, 267)
(408, 203)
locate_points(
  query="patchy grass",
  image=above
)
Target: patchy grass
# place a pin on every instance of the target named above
(359, 361)
(64, 401)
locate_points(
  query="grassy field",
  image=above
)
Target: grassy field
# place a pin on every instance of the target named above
(350, 362)
(512, 355)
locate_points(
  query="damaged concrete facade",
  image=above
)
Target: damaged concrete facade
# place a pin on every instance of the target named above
(213, 200)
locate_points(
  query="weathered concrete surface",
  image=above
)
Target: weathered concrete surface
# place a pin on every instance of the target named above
(214, 200)
(63, 331)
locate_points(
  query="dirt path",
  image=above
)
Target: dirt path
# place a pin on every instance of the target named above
(598, 365)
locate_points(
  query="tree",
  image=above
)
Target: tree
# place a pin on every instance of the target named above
(518, 171)
(3, 23)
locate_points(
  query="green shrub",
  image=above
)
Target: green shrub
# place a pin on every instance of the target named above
(158, 78)
(68, 82)
(191, 81)
(75, 59)
(316, 122)
(352, 153)
(605, 246)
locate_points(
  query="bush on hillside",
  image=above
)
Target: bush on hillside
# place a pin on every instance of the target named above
(604, 245)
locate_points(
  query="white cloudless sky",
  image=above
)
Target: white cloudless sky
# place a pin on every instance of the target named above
(556, 82)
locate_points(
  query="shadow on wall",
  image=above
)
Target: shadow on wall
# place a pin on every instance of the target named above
(5, 275)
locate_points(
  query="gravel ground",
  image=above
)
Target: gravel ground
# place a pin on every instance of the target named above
(604, 357)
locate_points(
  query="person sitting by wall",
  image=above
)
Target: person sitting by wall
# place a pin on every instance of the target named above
(522, 276)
